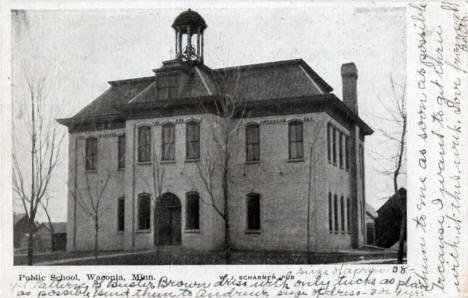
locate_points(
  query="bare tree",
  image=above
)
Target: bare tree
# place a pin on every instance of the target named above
(393, 164)
(229, 110)
(45, 208)
(31, 182)
(93, 202)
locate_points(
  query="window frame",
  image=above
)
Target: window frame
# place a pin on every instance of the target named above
(192, 123)
(295, 124)
(171, 141)
(142, 196)
(249, 197)
(121, 220)
(347, 152)
(192, 195)
(121, 151)
(329, 142)
(330, 212)
(253, 144)
(334, 153)
(340, 149)
(166, 86)
(335, 213)
(342, 213)
(94, 155)
(348, 214)
(148, 129)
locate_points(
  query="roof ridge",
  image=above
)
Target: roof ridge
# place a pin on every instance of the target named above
(262, 64)
(132, 80)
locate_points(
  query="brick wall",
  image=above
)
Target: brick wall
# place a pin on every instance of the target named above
(285, 187)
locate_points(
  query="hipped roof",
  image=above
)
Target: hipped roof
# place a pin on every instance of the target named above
(265, 82)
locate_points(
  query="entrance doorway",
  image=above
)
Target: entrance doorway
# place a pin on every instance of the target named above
(167, 220)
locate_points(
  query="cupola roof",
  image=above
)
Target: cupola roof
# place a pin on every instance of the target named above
(189, 18)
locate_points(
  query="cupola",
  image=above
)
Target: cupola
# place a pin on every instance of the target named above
(189, 27)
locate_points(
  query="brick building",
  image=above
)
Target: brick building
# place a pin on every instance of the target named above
(145, 148)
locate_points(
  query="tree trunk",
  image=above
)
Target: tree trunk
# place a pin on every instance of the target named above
(31, 241)
(96, 227)
(227, 240)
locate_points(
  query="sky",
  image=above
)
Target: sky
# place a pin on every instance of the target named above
(78, 51)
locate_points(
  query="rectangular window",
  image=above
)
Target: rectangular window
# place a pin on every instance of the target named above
(330, 212)
(361, 163)
(347, 144)
(193, 140)
(348, 214)
(144, 143)
(144, 211)
(121, 215)
(342, 214)
(166, 87)
(335, 212)
(363, 219)
(253, 212)
(341, 136)
(168, 142)
(192, 212)
(296, 140)
(334, 146)
(252, 134)
(91, 154)
(121, 152)
(329, 142)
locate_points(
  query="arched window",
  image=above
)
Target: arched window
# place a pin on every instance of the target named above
(295, 133)
(252, 141)
(192, 140)
(168, 141)
(192, 211)
(91, 154)
(144, 211)
(121, 214)
(253, 212)
(144, 143)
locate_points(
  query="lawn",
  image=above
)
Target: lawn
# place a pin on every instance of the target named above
(183, 257)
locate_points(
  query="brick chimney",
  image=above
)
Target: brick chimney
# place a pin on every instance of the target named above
(349, 77)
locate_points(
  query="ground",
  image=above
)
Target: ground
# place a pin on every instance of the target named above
(176, 255)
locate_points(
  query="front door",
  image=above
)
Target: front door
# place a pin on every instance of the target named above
(168, 223)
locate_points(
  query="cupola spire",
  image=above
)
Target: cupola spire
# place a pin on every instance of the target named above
(189, 27)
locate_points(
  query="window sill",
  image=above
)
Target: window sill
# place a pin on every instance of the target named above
(252, 162)
(295, 160)
(192, 160)
(90, 171)
(167, 162)
(147, 231)
(143, 163)
(121, 169)
(253, 231)
(120, 232)
(192, 231)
